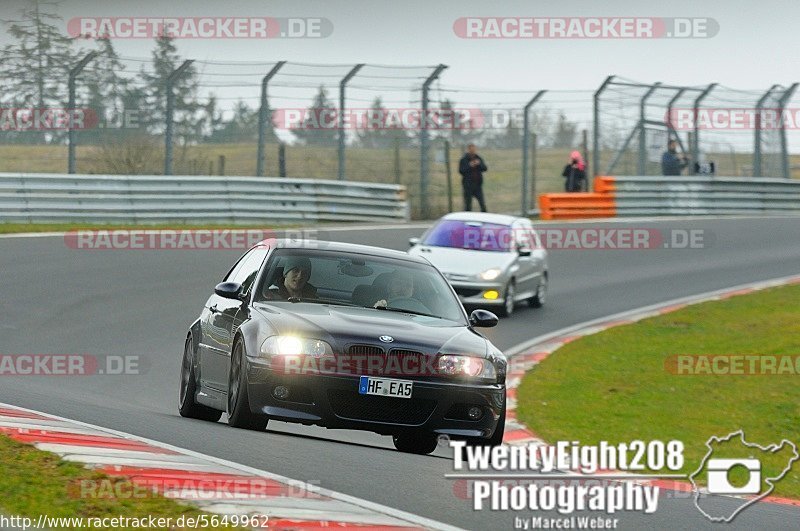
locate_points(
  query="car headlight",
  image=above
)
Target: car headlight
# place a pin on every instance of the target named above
(471, 366)
(295, 346)
(490, 274)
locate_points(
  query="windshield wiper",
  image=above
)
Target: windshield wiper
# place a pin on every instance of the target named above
(400, 310)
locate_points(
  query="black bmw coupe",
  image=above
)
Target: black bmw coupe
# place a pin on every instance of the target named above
(344, 336)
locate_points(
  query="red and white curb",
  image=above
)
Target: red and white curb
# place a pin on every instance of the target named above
(211, 484)
(525, 356)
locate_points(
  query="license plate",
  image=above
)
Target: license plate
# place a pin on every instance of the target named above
(385, 387)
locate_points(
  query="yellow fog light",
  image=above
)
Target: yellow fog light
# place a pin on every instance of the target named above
(491, 295)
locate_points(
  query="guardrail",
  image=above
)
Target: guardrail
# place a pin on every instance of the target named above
(143, 199)
(676, 196)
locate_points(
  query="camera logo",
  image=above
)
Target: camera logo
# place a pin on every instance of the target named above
(720, 471)
(740, 477)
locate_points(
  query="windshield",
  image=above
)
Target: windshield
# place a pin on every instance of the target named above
(298, 275)
(473, 235)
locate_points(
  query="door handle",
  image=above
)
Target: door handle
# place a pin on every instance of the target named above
(213, 309)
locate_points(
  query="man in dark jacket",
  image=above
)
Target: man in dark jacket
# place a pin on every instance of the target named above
(471, 168)
(294, 282)
(671, 162)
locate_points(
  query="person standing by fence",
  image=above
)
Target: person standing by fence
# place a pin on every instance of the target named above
(671, 162)
(471, 168)
(575, 173)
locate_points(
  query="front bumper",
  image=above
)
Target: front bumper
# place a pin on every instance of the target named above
(333, 401)
(472, 293)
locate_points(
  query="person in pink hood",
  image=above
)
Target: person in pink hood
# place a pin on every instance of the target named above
(575, 173)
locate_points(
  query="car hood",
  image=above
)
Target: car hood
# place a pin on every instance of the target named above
(463, 261)
(344, 325)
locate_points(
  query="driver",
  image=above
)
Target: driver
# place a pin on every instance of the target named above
(294, 283)
(400, 293)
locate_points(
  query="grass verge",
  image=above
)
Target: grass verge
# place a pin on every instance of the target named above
(34, 483)
(619, 385)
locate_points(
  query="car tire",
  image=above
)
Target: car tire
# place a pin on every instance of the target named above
(508, 300)
(239, 414)
(187, 406)
(421, 443)
(538, 300)
(497, 437)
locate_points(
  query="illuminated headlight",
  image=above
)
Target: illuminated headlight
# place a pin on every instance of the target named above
(295, 346)
(453, 365)
(490, 274)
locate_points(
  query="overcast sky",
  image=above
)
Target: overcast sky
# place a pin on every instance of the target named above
(755, 45)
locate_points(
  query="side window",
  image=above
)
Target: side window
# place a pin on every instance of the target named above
(237, 266)
(251, 263)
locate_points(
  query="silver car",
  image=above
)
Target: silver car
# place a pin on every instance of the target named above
(491, 260)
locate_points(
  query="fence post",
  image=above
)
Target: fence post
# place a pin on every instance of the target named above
(596, 126)
(423, 143)
(641, 163)
(534, 142)
(525, 165)
(449, 175)
(397, 168)
(342, 85)
(787, 172)
(73, 74)
(170, 105)
(585, 146)
(282, 159)
(696, 135)
(262, 118)
(757, 170)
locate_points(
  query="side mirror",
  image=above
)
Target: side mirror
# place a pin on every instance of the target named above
(524, 251)
(228, 290)
(482, 319)
(413, 241)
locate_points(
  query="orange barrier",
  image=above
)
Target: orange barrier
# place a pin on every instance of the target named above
(604, 184)
(577, 206)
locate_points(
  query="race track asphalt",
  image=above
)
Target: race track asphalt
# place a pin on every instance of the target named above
(127, 302)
